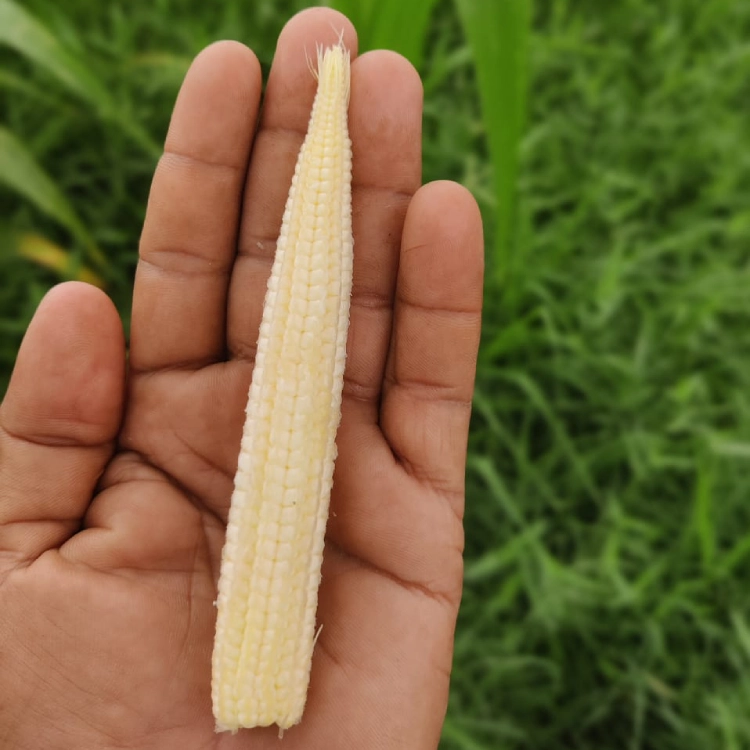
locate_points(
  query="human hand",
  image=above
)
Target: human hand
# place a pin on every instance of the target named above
(115, 481)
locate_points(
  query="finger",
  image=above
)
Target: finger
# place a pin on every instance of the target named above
(286, 112)
(59, 418)
(432, 362)
(190, 233)
(386, 130)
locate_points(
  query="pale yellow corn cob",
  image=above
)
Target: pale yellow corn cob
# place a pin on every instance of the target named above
(270, 569)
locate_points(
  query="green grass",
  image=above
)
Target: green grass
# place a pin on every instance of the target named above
(607, 603)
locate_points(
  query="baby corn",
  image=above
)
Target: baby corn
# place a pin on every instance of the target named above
(270, 569)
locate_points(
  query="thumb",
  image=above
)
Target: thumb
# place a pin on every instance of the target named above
(59, 419)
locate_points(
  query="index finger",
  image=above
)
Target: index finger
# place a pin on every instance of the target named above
(190, 233)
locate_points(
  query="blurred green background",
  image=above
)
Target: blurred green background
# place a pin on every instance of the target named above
(607, 599)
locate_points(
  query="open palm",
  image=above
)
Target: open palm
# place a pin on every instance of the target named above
(115, 481)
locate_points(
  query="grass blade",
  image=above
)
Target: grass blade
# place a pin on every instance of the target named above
(22, 32)
(402, 27)
(498, 34)
(21, 172)
(360, 13)
(29, 37)
(396, 25)
(43, 252)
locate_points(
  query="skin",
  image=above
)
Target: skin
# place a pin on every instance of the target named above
(115, 477)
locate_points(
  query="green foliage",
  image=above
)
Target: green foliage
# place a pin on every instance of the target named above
(20, 171)
(608, 526)
(24, 33)
(28, 36)
(390, 24)
(497, 32)
(496, 36)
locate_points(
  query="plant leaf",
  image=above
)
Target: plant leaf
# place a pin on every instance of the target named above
(396, 25)
(498, 34)
(360, 13)
(21, 172)
(44, 252)
(402, 26)
(24, 33)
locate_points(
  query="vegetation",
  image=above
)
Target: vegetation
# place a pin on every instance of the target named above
(608, 511)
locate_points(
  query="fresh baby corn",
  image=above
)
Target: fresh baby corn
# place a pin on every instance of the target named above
(270, 569)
